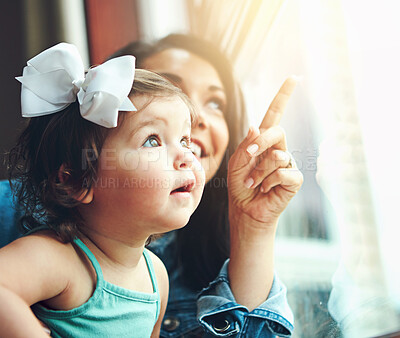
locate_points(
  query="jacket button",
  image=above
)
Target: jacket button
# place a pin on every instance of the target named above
(171, 323)
(221, 326)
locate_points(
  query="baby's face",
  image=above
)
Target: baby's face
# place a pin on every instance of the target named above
(147, 175)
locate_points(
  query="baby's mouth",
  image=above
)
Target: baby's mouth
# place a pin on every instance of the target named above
(187, 187)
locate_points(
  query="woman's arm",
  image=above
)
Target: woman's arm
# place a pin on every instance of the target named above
(247, 299)
(221, 315)
(22, 283)
(260, 187)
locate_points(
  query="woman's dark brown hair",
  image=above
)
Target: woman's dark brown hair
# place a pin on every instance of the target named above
(203, 245)
(55, 160)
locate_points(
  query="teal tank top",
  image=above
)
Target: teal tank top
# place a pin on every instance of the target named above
(112, 311)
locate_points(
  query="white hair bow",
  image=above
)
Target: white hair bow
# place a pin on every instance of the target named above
(53, 79)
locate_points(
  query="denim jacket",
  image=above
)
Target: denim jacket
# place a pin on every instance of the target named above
(214, 312)
(211, 313)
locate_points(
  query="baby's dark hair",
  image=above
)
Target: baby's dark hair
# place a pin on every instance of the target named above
(56, 158)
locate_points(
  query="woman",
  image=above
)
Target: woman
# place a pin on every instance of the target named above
(250, 301)
(242, 298)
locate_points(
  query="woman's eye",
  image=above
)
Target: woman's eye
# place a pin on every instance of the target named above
(185, 142)
(152, 141)
(216, 104)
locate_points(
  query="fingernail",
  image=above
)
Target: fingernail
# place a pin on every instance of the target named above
(248, 183)
(249, 132)
(262, 189)
(297, 78)
(45, 329)
(252, 149)
(281, 155)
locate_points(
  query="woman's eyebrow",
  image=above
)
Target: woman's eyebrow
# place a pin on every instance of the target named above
(214, 88)
(176, 79)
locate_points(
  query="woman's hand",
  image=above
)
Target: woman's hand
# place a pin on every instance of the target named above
(261, 183)
(262, 178)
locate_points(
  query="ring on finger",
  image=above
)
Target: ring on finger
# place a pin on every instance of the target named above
(292, 162)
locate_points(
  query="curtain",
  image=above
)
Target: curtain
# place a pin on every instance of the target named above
(238, 27)
(359, 286)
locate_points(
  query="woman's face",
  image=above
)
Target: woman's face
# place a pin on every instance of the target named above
(200, 81)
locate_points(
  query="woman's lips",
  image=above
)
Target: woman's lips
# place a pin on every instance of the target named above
(198, 148)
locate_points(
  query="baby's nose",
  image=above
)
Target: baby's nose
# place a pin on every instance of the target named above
(184, 159)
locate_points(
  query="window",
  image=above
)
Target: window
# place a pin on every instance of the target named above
(337, 241)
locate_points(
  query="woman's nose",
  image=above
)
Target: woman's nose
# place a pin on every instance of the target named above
(201, 121)
(183, 159)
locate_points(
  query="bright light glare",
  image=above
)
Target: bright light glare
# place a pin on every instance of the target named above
(374, 44)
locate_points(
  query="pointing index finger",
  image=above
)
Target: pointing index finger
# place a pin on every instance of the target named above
(276, 108)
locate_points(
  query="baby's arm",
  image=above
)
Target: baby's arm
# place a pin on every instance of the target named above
(163, 286)
(23, 283)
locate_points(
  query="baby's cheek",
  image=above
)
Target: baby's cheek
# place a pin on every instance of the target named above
(154, 161)
(199, 172)
(197, 165)
(200, 181)
(141, 193)
(129, 160)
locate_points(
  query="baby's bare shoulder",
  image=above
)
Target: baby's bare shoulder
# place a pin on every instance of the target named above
(36, 266)
(43, 247)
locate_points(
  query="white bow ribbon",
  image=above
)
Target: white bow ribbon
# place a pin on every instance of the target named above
(54, 79)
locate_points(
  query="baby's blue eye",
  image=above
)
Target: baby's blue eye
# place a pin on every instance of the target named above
(152, 141)
(185, 142)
